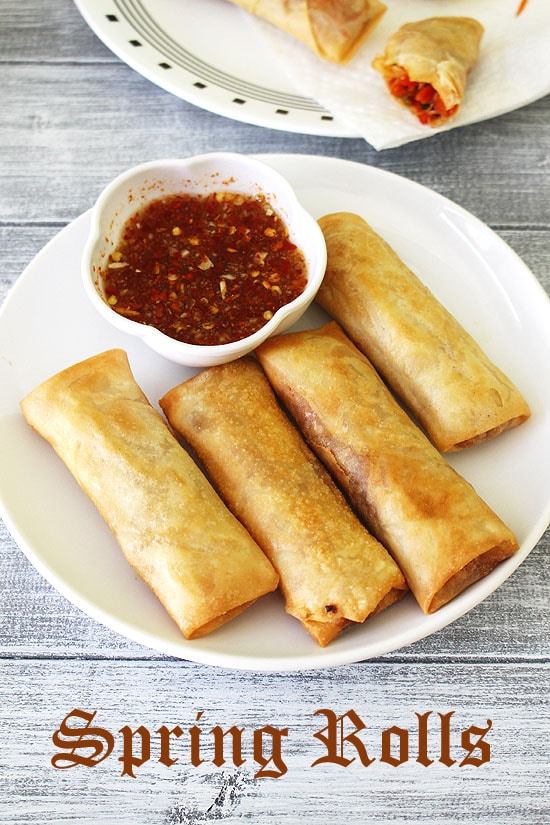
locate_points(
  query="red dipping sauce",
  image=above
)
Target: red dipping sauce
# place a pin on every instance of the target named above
(204, 269)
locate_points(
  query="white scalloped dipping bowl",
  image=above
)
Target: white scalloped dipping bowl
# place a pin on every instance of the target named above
(200, 175)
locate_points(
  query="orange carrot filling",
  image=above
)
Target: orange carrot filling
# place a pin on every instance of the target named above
(422, 98)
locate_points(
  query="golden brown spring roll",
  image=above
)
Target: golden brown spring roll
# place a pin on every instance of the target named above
(332, 571)
(440, 532)
(426, 65)
(170, 524)
(445, 379)
(334, 31)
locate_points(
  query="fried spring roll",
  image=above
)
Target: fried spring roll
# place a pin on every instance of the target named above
(440, 532)
(171, 525)
(441, 374)
(426, 65)
(334, 31)
(332, 571)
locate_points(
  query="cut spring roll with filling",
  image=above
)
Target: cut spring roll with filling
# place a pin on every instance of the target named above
(458, 395)
(169, 522)
(438, 529)
(332, 571)
(332, 30)
(426, 65)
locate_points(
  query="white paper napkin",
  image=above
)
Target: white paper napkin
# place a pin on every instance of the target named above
(513, 68)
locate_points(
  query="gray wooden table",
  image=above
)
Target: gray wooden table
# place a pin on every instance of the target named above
(71, 117)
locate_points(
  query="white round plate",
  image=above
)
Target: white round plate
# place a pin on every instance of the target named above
(212, 54)
(46, 324)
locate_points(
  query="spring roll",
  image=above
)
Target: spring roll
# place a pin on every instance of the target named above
(440, 532)
(170, 524)
(332, 571)
(426, 65)
(440, 373)
(334, 31)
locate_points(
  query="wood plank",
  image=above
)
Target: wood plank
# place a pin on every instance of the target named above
(508, 788)
(60, 153)
(29, 35)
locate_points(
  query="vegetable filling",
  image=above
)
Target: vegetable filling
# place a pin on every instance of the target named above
(422, 98)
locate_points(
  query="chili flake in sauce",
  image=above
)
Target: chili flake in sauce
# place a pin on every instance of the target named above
(204, 269)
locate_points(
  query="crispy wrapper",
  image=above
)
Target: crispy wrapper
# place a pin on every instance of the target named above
(332, 571)
(438, 529)
(332, 30)
(169, 522)
(438, 52)
(458, 395)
